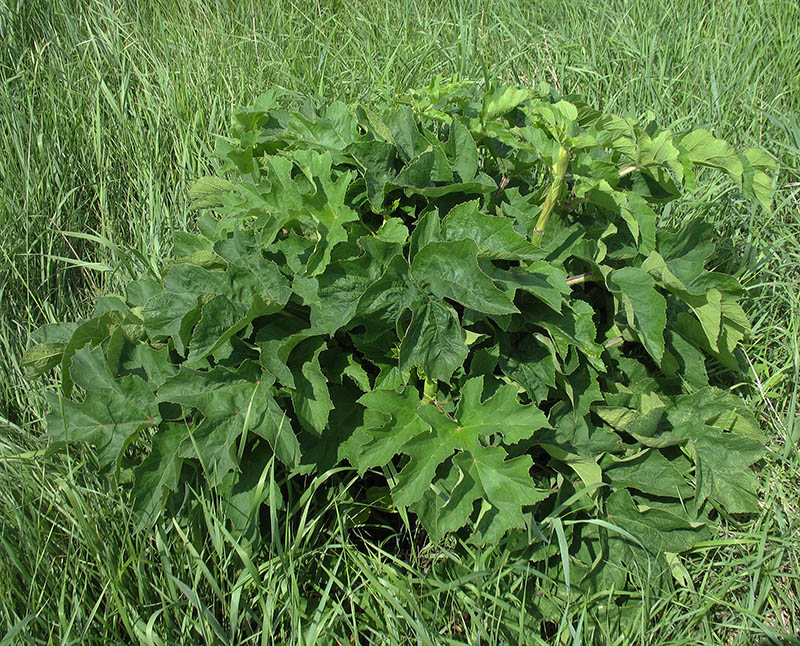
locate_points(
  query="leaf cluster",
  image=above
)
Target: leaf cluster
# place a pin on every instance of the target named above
(469, 290)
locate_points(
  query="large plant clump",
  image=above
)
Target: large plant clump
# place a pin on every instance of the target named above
(469, 290)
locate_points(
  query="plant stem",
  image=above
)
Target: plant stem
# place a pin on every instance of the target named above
(429, 391)
(582, 278)
(559, 170)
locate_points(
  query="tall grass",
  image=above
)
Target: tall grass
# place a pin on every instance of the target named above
(110, 108)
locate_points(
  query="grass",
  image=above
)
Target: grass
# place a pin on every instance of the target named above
(109, 109)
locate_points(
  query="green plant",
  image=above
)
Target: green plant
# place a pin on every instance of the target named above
(469, 291)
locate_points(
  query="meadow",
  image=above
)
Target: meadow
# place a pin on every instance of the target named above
(109, 110)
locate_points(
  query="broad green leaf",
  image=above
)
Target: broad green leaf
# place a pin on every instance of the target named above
(581, 387)
(574, 326)
(282, 201)
(327, 206)
(249, 274)
(505, 484)
(390, 421)
(111, 414)
(151, 364)
(429, 437)
(40, 358)
(646, 220)
(377, 160)
(393, 230)
(335, 130)
(434, 341)
(485, 472)
(722, 471)
(450, 270)
(220, 320)
(575, 433)
(441, 171)
(587, 469)
(158, 474)
(216, 317)
(371, 120)
(275, 340)
(342, 285)
(405, 133)
(295, 249)
(657, 267)
(419, 173)
(54, 333)
(481, 185)
(462, 150)
(736, 490)
(656, 530)
(567, 110)
(494, 235)
(522, 211)
(312, 402)
(427, 229)
(91, 332)
(446, 435)
(708, 309)
(437, 510)
(205, 259)
(206, 192)
(502, 101)
(755, 180)
(231, 404)
(543, 280)
(483, 361)
(645, 307)
(357, 374)
(650, 473)
(187, 279)
(658, 153)
(394, 292)
(602, 194)
(109, 303)
(186, 244)
(703, 148)
(530, 363)
(243, 495)
(687, 251)
(617, 133)
(648, 427)
(517, 421)
(344, 420)
(683, 359)
(171, 314)
(174, 311)
(720, 456)
(735, 325)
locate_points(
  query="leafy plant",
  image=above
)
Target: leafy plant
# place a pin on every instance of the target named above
(469, 291)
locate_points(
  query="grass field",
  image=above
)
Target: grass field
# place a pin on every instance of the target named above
(109, 109)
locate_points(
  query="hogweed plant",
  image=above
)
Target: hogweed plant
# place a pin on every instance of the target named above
(469, 293)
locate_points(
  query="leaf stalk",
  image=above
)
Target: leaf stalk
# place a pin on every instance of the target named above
(430, 390)
(582, 278)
